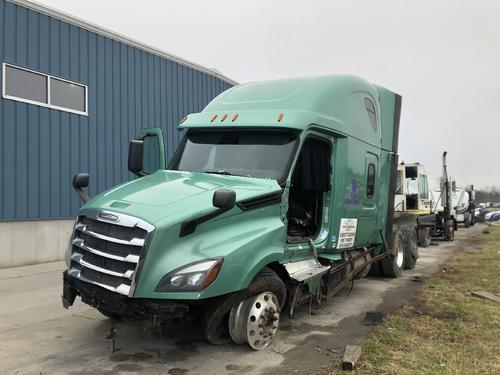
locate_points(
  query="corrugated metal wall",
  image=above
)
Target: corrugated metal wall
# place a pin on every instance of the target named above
(128, 89)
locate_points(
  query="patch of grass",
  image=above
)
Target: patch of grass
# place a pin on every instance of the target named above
(446, 331)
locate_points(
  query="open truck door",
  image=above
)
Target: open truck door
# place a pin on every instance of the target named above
(146, 154)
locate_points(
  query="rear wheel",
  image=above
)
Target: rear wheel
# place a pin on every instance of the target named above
(376, 269)
(424, 237)
(411, 250)
(392, 265)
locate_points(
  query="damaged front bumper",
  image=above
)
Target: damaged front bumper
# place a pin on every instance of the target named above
(120, 305)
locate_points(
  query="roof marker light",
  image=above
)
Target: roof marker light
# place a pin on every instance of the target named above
(224, 116)
(280, 117)
(234, 118)
(213, 118)
(184, 119)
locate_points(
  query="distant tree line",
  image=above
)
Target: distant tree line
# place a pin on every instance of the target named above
(491, 194)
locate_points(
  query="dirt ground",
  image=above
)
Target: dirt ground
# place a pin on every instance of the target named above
(37, 336)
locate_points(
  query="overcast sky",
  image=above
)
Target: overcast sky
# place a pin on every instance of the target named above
(442, 56)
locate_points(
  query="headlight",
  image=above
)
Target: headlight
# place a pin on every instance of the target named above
(191, 278)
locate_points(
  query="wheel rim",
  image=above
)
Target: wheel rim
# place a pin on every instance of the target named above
(399, 255)
(255, 320)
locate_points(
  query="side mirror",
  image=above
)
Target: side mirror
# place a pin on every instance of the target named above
(224, 199)
(135, 156)
(80, 181)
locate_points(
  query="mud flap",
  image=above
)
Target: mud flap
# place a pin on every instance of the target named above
(69, 294)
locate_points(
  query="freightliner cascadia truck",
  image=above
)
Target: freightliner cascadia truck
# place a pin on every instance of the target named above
(280, 193)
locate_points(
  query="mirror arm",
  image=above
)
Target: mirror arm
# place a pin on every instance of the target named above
(189, 226)
(141, 174)
(83, 195)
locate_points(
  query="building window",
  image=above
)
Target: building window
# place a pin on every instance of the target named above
(64, 94)
(32, 87)
(370, 181)
(370, 108)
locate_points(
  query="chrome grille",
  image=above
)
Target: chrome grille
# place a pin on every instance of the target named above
(107, 253)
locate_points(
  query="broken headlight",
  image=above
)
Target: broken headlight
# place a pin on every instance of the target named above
(191, 278)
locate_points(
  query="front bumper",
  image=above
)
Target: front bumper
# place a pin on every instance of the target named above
(120, 305)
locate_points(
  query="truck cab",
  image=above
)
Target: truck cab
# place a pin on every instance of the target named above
(412, 191)
(464, 203)
(279, 191)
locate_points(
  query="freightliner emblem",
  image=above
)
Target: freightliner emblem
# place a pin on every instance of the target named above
(107, 216)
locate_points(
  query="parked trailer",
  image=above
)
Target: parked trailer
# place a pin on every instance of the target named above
(279, 194)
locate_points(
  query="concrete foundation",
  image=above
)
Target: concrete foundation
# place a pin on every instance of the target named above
(33, 242)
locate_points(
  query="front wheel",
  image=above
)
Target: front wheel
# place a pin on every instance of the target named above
(255, 320)
(392, 265)
(217, 316)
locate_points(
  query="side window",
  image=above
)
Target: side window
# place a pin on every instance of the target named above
(399, 184)
(370, 180)
(370, 109)
(423, 188)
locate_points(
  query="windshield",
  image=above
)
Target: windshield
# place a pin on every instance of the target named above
(250, 153)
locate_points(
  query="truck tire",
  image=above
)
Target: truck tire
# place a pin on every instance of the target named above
(215, 318)
(376, 270)
(448, 230)
(255, 320)
(411, 250)
(424, 237)
(392, 265)
(467, 221)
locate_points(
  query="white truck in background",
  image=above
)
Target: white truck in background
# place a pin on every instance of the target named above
(434, 211)
(412, 199)
(464, 204)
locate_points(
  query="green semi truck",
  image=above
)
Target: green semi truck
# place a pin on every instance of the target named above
(280, 193)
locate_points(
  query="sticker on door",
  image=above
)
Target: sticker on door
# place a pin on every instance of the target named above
(347, 233)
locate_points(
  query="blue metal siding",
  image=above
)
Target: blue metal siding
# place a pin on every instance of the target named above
(128, 89)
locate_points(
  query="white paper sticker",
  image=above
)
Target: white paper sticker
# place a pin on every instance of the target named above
(347, 233)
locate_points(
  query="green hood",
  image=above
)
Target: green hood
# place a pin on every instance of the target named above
(247, 240)
(169, 197)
